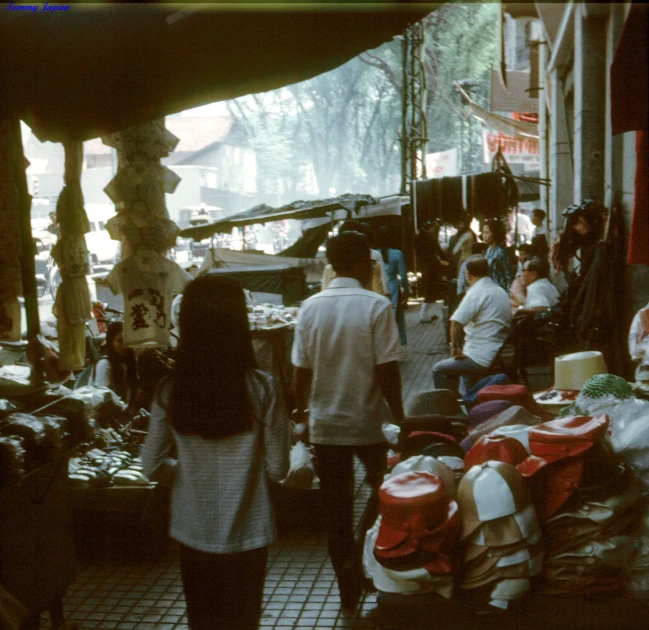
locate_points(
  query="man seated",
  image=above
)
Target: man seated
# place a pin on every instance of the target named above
(485, 317)
(540, 292)
(518, 290)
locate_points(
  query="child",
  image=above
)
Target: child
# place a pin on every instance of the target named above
(540, 241)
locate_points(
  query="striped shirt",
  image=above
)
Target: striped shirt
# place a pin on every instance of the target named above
(210, 478)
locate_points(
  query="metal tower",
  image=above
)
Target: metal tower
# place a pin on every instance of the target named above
(414, 130)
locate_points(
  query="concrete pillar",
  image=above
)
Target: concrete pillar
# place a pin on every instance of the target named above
(543, 128)
(561, 169)
(590, 71)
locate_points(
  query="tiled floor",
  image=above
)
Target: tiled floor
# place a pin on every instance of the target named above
(300, 591)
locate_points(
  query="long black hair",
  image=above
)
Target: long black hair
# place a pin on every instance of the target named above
(215, 355)
(498, 230)
(120, 384)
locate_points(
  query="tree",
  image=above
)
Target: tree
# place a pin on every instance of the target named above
(346, 123)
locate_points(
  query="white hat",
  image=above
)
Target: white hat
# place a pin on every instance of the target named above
(425, 463)
(488, 491)
(571, 371)
(520, 432)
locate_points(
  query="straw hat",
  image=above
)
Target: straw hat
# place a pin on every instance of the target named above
(571, 371)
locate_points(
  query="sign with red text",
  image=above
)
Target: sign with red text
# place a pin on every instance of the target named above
(441, 164)
(516, 149)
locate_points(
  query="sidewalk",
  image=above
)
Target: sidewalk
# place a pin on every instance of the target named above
(300, 587)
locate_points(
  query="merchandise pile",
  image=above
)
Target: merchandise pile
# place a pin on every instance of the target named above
(271, 316)
(547, 505)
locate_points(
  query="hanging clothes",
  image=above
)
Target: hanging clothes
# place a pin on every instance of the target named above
(148, 282)
(451, 204)
(426, 210)
(486, 198)
(136, 229)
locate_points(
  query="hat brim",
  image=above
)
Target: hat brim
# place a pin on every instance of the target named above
(393, 543)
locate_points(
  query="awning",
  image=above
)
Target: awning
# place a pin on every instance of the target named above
(500, 123)
(265, 214)
(94, 69)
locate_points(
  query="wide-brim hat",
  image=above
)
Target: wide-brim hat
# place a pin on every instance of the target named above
(439, 424)
(497, 448)
(488, 491)
(516, 394)
(432, 444)
(571, 372)
(559, 439)
(486, 410)
(416, 514)
(515, 415)
(436, 402)
(425, 463)
(554, 485)
(528, 568)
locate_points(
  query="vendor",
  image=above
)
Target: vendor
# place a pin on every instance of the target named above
(117, 370)
(541, 294)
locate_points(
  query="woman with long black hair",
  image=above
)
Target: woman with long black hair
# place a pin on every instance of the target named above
(500, 269)
(117, 370)
(231, 434)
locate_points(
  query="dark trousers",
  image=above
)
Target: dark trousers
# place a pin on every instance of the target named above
(223, 591)
(335, 468)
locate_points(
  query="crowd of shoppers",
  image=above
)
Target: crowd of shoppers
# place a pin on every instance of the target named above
(219, 432)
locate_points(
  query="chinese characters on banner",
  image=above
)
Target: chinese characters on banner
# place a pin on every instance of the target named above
(441, 164)
(516, 149)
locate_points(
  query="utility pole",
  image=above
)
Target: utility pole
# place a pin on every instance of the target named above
(414, 130)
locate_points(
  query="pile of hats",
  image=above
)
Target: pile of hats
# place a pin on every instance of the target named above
(502, 405)
(591, 542)
(563, 454)
(500, 533)
(412, 547)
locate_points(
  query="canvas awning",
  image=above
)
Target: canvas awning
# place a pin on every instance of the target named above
(500, 123)
(98, 68)
(265, 214)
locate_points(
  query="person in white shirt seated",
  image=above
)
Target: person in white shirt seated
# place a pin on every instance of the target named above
(541, 294)
(540, 241)
(484, 317)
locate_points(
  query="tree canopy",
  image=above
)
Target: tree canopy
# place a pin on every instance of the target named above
(342, 128)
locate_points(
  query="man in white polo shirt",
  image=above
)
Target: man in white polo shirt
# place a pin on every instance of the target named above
(485, 318)
(346, 353)
(541, 293)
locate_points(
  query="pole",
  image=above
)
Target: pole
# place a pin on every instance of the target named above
(28, 265)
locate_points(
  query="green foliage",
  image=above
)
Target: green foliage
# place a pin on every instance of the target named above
(345, 124)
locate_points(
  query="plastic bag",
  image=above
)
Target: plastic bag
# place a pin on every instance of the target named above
(391, 433)
(301, 472)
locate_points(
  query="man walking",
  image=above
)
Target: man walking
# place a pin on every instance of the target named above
(485, 318)
(346, 353)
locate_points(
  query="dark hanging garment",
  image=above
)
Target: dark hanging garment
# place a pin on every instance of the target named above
(423, 201)
(452, 208)
(486, 196)
(629, 74)
(638, 253)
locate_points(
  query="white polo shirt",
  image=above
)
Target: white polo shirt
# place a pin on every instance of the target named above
(342, 334)
(486, 315)
(541, 293)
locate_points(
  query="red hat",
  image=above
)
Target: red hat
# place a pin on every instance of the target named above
(564, 437)
(554, 485)
(499, 448)
(416, 515)
(516, 394)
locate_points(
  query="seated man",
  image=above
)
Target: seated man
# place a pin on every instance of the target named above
(485, 316)
(540, 292)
